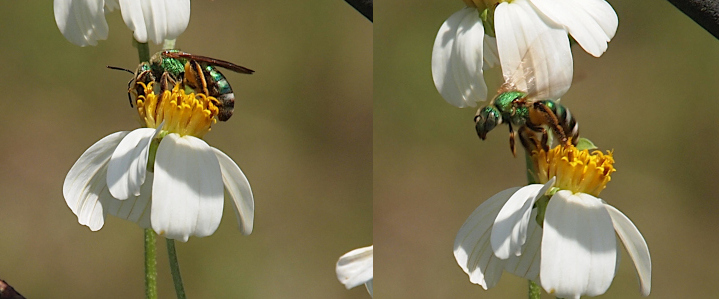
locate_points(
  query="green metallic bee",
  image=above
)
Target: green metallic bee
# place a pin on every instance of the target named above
(525, 102)
(196, 74)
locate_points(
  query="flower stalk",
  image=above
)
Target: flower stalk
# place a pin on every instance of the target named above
(534, 292)
(143, 52)
(150, 264)
(175, 269)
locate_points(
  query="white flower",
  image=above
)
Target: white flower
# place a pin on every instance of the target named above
(83, 21)
(577, 245)
(355, 268)
(538, 27)
(182, 194)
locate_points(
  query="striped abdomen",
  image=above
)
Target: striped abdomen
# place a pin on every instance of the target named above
(565, 119)
(218, 87)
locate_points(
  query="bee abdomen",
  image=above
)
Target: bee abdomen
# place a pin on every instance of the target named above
(567, 121)
(227, 106)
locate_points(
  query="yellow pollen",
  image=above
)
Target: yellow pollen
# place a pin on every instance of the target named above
(576, 171)
(184, 114)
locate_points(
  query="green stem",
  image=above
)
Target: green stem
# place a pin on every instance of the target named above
(175, 269)
(150, 264)
(143, 52)
(535, 291)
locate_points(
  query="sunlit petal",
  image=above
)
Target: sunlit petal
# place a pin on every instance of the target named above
(128, 165)
(82, 22)
(156, 20)
(510, 227)
(85, 184)
(592, 23)
(636, 247)
(187, 194)
(356, 267)
(457, 59)
(467, 59)
(238, 187)
(534, 51)
(472, 248)
(579, 247)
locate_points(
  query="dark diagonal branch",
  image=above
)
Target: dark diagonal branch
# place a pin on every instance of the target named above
(703, 12)
(363, 6)
(7, 292)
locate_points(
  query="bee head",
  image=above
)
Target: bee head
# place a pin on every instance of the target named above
(487, 118)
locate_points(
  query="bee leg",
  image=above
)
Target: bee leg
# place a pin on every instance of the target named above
(552, 121)
(511, 140)
(195, 78)
(129, 91)
(528, 137)
(167, 82)
(544, 144)
(136, 89)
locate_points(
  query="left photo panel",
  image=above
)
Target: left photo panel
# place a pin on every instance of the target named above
(178, 149)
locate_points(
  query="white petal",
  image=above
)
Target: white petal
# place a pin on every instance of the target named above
(134, 208)
(468, 59)
(85, 183)
(369, 287)
(239, 189)
(579, 248)
(156, 20)
(592, 23)
(457, 59)
(491, 54)
(636, 246)
(128, 165)
(82, 22)
(356, 267)
(472, 248)
(187, 194)
(510, 227)
(534, 52)
(527, 265)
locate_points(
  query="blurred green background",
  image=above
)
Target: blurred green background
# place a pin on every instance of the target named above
(301, 132)
(652, 97)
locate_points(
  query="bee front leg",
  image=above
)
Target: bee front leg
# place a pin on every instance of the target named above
(545, 135)
(167, 82)
(134, 89)
(511, 140)
(528, 137)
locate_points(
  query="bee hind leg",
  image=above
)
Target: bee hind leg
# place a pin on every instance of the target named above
(552, 121)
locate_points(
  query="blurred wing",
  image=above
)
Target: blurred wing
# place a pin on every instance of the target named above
(535, 57)
(211, 61)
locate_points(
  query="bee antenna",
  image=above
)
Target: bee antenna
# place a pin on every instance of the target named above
(120, 69)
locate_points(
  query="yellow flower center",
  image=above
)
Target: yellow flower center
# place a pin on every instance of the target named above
(184, 114)
(577, 171)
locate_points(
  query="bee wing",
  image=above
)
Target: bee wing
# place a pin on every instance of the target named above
(211, 61)
(545, 68)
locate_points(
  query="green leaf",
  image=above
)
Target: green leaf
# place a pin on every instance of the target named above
(585, 144)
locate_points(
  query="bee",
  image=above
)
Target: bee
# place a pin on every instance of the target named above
(196, 74)
(525, 101)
